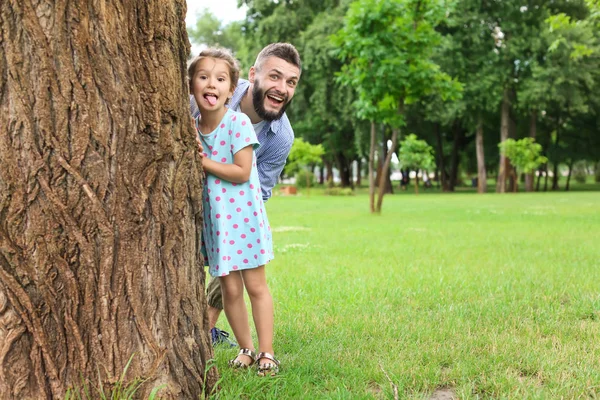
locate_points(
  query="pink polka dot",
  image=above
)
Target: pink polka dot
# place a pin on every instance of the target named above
(224, 241)
(228, 258)
(249, 245)
(210, 147)
(224, 258)
(217, 181)
(261, 224)
(247, 139)
(229, 217)
(218, 233)
(262, 252)
(218, 216)
(235, 267)
(245, 261)
(223, 143)
(208, 190)
(246, 220)
(230, 132)
(235, 226)
(243, 236)
(233, 118)
(217, 267)
(241, 192)
(223, 274)
(231, 147)
(255, 214)
(258, 241)
(243, 122)
(238, 209)
(226, 233)
(256, 256)
(252, 230)
(223, 190)
(218, 250)
(232, 200)
(237, 135)
(249, 204)
(214, 153)
(251, 186)
(222, 126)
(239, 252)
(205, 155)
(223, 160)
(218, 198)
(232, 242)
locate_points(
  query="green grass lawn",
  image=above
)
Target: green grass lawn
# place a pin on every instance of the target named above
(485, 296)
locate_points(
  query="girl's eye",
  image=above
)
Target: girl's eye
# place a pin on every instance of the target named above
(221, 79)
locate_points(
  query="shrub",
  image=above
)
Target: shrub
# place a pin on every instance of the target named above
(301, 178)
(337, 191)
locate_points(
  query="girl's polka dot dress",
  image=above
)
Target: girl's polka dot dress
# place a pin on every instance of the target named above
(236, 232)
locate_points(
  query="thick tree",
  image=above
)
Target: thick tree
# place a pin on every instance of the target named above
(100, 200)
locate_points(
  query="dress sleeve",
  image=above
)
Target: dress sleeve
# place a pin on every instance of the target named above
(242, 133)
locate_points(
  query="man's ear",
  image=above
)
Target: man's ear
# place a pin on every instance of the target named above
(251, 73)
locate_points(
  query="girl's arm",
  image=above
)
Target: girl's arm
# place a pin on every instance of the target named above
(238, 172)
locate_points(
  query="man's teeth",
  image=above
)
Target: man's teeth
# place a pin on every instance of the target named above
(276, 98)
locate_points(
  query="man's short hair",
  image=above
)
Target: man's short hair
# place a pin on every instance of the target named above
(285, 51)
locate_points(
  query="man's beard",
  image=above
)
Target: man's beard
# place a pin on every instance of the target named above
(258, 99)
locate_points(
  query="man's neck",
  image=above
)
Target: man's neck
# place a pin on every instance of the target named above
(247, 107)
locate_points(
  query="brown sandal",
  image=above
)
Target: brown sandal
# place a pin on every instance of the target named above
(268, 368)
(237, 364)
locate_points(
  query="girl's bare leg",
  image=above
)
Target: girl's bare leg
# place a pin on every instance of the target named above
(232, 288)
(262, 306)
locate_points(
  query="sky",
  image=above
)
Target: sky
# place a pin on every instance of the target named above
(225, 10)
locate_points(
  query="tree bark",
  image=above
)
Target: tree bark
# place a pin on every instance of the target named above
(556, 159)
(530, 177)
(100, 200)
(458, 134)
(372, 168)
(504, 128)
(481, 172)
(441, 161)
(569, 175)
(358, 171)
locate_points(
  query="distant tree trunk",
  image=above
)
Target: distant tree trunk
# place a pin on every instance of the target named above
(569, 175)
(458, 133)
(481, 173)
(511, 170)
(345, 168)
(556, 161)
(358, 171)
(372, 167)
(386, 179)
(329, 169)
(504, 132)
(529, 178)
(546, 178)
(539, 177)
(321, 174)
(441, 161)
(100, 200)
(386, 163)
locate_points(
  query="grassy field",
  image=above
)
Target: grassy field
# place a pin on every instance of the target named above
(460, 295)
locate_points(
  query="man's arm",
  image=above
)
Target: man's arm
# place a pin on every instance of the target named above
(271, 164)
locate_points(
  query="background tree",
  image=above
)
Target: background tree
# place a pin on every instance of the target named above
(524, 154)
(100, 200)
(304, 156)
(416, 154)
(387, 49)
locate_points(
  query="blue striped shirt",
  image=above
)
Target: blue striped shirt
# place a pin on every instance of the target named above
(275, 138)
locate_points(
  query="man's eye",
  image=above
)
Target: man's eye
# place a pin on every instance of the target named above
(274, 77)
(292, 83)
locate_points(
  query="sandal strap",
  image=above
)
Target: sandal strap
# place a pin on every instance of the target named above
(268, 356)
(247, 352)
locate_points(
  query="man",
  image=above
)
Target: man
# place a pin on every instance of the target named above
(264, 97)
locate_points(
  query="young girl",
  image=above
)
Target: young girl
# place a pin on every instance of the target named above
(236, 232)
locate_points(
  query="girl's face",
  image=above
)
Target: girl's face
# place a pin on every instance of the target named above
(212, 84)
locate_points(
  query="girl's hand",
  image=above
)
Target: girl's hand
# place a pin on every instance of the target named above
(200, 147)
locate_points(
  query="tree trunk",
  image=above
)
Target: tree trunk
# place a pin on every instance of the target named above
(345, 169)
(556, 162)
(458, 133)
(569, 175)
(504, 128)
(441, 161)
(385, 171)
(329, 174)
(529, 177)
(358, 171)
(372, 168)
(100, 201)
(321, 174)
(481, 172)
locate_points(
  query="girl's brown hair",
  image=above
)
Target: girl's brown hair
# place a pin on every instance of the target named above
(218, 53)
